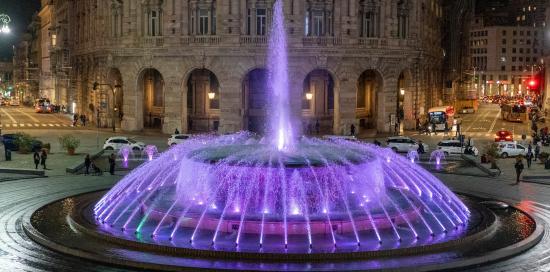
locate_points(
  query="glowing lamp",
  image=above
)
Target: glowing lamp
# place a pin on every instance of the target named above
(211, 95)
(309, 96)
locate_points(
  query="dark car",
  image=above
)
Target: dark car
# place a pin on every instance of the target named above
(504, 136)
(10, 142)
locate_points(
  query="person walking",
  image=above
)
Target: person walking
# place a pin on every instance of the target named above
(352, 130)
(87, 164)
(43, 157)
(537, 150)
(112, 164)
(529, 158)
(36, 157)
(83, 120)
(519, 168)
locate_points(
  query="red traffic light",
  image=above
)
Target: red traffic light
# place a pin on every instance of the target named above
(532, 83)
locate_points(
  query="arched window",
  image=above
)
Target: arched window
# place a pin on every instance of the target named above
(117, 18)
(319, 18)
(370, 17)
(153, 17)
(402, 19)
(203, 17)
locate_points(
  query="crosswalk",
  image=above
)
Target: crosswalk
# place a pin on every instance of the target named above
(35, 125)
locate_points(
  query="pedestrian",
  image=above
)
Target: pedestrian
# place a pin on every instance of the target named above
(537, 150)
(530, 148)
(112, 164)
(420, 149)
(87, 164)
(43, 157)
(446, 129)
(434, 129)
(352, 130)
(36, 157)
(177, 131)
(75, 119)
(529, 158)
(83, 116)
(457, 129)
(317, 127)
(519, 168)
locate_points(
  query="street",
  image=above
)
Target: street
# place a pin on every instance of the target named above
(25, 118)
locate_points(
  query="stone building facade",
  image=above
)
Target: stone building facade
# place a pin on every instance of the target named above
(200, 65)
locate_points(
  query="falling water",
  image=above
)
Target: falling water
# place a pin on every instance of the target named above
(281, 127)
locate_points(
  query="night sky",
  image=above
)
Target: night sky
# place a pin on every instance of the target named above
(21, 12)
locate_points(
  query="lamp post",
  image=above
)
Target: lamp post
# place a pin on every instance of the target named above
(115, 108)
(211, 96)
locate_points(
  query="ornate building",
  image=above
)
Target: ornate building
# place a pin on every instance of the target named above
(200, 65)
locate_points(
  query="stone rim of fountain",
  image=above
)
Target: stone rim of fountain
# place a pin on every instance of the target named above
(73, 222)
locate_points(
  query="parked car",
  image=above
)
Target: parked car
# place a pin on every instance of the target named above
(10, 142)
(454, 147)
(511, 149)
(117, 142)
(15, 103)
(177, 139)
(504, 136)
(404, 144)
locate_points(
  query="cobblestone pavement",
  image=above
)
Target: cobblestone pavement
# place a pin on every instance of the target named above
(17, 198)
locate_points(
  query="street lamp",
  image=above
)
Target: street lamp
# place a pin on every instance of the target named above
(211, 96)
(4, 21)
(115, 108)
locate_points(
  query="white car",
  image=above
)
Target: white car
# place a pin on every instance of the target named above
(454, 147)
(15, 103)
(117, 142)
(404, 144)
(177, 139)
(511, 149)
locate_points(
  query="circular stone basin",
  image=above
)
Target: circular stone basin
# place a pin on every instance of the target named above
(504, 232)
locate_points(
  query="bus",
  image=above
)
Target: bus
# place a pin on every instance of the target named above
(514, 112)
(441, 115)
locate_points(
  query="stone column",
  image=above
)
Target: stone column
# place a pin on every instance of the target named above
(345, 104)
(132, 120)
(231, 119)
(387, 102)
(172, 106)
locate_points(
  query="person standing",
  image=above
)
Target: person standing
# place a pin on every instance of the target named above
(352, 130)
(36, 157)
(519, 168)
(43, 157)
(420, 149)
(87, 164)
(112, 164)
(177, 131)
(529, 158)
(537, 150)
(83, 120)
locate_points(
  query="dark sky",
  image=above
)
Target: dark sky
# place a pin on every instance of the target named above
(21, 12)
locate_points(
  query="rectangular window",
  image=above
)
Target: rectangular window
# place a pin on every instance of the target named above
(504, 50)
(203, 22)
(261, 22)
(503, 41)
(248, 22)
(503, 68)
(318, 26)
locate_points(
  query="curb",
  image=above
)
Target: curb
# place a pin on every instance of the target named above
(33, 172)
(473, 160)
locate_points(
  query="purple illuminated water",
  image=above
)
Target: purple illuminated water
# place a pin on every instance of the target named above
(281, 127)
(281, 194)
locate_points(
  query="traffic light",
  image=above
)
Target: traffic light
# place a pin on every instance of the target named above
(96, 86)
(533, 83)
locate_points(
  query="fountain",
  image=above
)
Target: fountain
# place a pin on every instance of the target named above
(124, 153)
(437, 156)
(150, 151)
(280, 202)
(239, 193)
(413, 156)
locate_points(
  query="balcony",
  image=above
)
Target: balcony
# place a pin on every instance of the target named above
(202, 40)
(253, 40)
(153, 41)
(321, 41)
